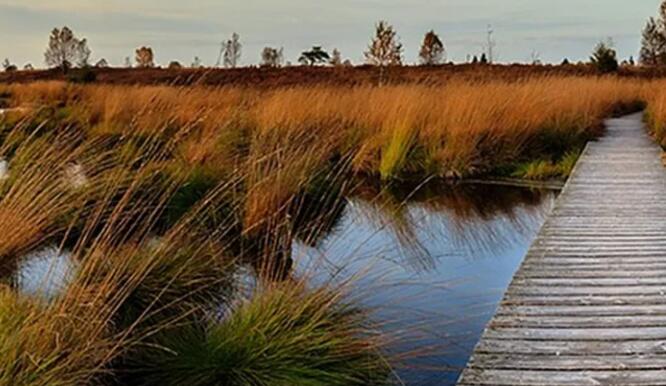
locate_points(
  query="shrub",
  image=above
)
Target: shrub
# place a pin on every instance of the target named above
(83, 75)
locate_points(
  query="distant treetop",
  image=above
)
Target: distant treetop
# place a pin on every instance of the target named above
(145, 57)
(604, 57)
(102, 63)
(432, 49)
(336, 58)
(272, 57)
(385, 49)
(8, 66)
(230, 52)
(653, 42)
(316, 55)
(175, 65)
(65, 50)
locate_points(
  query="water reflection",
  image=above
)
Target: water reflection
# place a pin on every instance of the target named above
(435, 261)
(44, 273)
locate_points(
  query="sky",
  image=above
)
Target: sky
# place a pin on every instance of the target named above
(180, 30)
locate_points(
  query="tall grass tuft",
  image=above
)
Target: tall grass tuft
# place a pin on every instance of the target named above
(286, 334)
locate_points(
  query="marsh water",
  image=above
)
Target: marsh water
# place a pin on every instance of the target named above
(434, 263)
(431, 262)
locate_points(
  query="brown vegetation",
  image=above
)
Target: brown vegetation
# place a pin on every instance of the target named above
(267, 77)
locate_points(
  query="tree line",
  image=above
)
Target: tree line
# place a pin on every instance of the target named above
(66, 51)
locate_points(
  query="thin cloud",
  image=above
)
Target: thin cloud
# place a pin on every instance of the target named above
(181, 30)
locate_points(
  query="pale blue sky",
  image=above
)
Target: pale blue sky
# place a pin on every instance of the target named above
(179, 30)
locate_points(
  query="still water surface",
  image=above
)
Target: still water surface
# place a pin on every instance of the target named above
(435, 265)
(432, 262)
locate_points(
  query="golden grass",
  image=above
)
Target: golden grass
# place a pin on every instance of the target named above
(261, 150)
(655, 97)
(463, 127)
(278, 139)
(128, 284)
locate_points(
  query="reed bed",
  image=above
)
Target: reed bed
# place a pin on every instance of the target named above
(155, 253)
(656, 111)
(461, 129)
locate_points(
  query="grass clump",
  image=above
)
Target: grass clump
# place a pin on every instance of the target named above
(284, 335)
(655, 117)
(547, 169)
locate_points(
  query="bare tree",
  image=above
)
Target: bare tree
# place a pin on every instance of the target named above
(653, 42)
(336, 58)
(65, 50)
(491, 56)
(231, 52)
(432, 49)
(384, 49)
(272, 57)
(535, 58)
(145, 57)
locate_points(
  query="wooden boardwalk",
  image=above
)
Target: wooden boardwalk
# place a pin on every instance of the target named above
(588, 304)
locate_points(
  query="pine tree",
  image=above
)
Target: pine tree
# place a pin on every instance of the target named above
(314, 56)
(604, 57)
(653, 42)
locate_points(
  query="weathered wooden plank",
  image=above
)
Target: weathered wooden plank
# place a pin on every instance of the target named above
(578, 321)
(595, 241)
(573, 282)
(601, 273)
(588, 305)
(622, 259)
(594, 254)
(551, 262)
(577, 334)
(564, 378)
(541, 291)
(598, 300)
(582, 267)
(638, 362)
(584, 310)
(595, 348)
